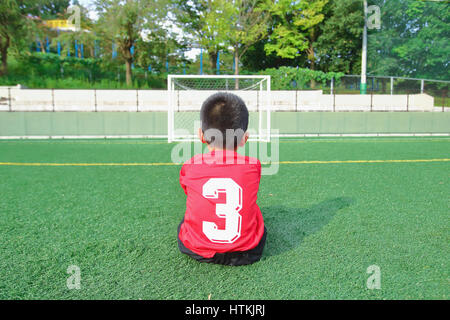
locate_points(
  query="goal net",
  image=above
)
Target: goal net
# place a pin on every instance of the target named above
(187, 93)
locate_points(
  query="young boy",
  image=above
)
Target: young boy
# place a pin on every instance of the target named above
(222, 224)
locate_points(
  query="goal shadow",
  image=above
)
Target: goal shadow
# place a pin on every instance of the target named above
(287, 227)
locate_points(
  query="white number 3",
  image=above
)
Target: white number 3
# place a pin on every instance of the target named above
(229, 210)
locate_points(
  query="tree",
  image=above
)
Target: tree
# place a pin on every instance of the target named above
(249, 25)
(222, 24)
(339, 45)
(195, 19)
(86, 35)
(158, 48)
(239, 24)
(413, 40)
(123, 23)
(14, 26)
(47, 9)
(215, 26)
(256, 59)
(298, 28)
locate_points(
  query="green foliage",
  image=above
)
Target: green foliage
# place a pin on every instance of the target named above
(220, 24)
(204, 21)
(13, 30)
(413, 40)
(320, 35)
(294, 32)
(123, 24)
(236, 24)
(47, 70)
(255, 58)
(46, 9)
(339, 45)
(285, 78)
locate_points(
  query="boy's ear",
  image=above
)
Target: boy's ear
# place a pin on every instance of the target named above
(201, 136)
(244, 139)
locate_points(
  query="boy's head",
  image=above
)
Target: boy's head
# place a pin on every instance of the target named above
(224, 118)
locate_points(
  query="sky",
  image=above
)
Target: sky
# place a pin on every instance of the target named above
(88, 4)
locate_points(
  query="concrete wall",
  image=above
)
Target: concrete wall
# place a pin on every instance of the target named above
(361, 122)
(57, 113)
(99, 124)
(16, 99)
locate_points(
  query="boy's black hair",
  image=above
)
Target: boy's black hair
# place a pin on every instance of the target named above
(222, 111)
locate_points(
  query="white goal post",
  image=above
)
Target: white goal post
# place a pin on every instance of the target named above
(186, 94)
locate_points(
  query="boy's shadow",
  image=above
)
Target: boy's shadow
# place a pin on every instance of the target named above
(287, 227)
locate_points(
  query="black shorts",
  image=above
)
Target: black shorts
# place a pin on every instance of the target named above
(236, 258)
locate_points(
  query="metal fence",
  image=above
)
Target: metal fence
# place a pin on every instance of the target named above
(383, 85)
(343, 94)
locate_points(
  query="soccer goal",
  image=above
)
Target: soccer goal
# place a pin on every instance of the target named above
(187, 93)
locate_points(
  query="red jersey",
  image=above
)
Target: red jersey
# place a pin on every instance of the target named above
(221, 210)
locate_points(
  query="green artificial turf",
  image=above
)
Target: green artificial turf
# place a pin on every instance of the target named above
(327, 223)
